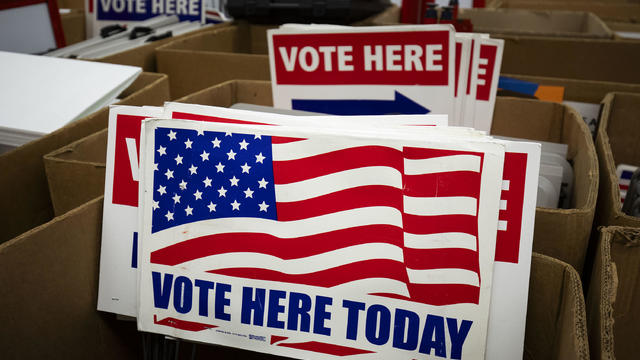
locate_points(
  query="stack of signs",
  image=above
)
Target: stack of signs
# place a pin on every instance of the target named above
(313, 237)
(378, 70)
(132, 12)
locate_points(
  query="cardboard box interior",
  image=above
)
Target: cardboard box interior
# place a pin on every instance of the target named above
(560, 233)
(586, 59)
(537, 23)
(26, 201)
(145, 56)
(617, 143)
(588, 91)
(73, 26)
(614, 290)
(195, 62)
(75, 172)
(556, 319)
(617, 10)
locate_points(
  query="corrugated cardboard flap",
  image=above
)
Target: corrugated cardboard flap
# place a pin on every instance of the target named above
(617, 143)
(75, 172)
(560, 233)
(556, 320)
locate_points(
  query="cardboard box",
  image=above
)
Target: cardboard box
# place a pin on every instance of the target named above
(26, 201)
(617, 10)
(49, 304)
(559, 233)
(199, 61)
(145, 56)
(75, 172)
(613, 298)
(588, 91)
(73, 26)
(585, 59)
(556, 319)
(577, 24)
(616, 143)
(556, 326)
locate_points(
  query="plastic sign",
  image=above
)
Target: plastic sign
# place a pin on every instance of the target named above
(129, 12)
(246, 242)
(363, 70)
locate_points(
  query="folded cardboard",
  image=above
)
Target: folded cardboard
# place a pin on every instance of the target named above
(588, 91)
(577, 24)
(73, 26)
(616, 143)
(145, 56)
(26, 201)
(586, 59)
(199, 61)
(50, 279)
(618, 10)
(560, 233)
(613, 298)
(556, 319)
(75, 172)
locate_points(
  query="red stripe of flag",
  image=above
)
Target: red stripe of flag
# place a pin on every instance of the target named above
(454, 183)
(450, 258)
(445, 294)
(267, 244)
(286, 172)
(359, 197)
(376, 268)
(414, 153)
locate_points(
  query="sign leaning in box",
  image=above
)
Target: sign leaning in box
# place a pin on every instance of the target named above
(342, 306)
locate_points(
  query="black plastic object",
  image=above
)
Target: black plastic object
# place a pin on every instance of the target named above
(111, 30)
(140, 31)
(305, 11)
(631, 205)
(157, 37)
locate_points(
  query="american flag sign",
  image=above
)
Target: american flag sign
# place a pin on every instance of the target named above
(358, 217)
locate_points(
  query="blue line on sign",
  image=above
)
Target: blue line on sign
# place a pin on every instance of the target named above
(517, 85)
(134, 251)
(399, 105)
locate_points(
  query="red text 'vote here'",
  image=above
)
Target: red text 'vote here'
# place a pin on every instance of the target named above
(383, 58)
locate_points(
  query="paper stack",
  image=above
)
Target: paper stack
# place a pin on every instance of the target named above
(41, 94)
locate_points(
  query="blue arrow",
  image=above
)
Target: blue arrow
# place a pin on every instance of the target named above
(400, 105)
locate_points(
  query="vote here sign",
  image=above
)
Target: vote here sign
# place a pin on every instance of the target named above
(363, 71)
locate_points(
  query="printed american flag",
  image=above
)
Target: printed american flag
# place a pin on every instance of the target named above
(364, 218)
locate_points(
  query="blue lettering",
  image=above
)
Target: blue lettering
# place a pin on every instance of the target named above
(222, 301)
(321, 314)
(400, 323)
(299, 307)
(161, 293)
(183, 294)
(275, 309)
(433, 336)
(377, 332)
(458, 336)
(354, 308)
(204, 286)
(250, 305)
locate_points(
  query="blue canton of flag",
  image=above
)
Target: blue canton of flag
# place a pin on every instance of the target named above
(200, 175)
